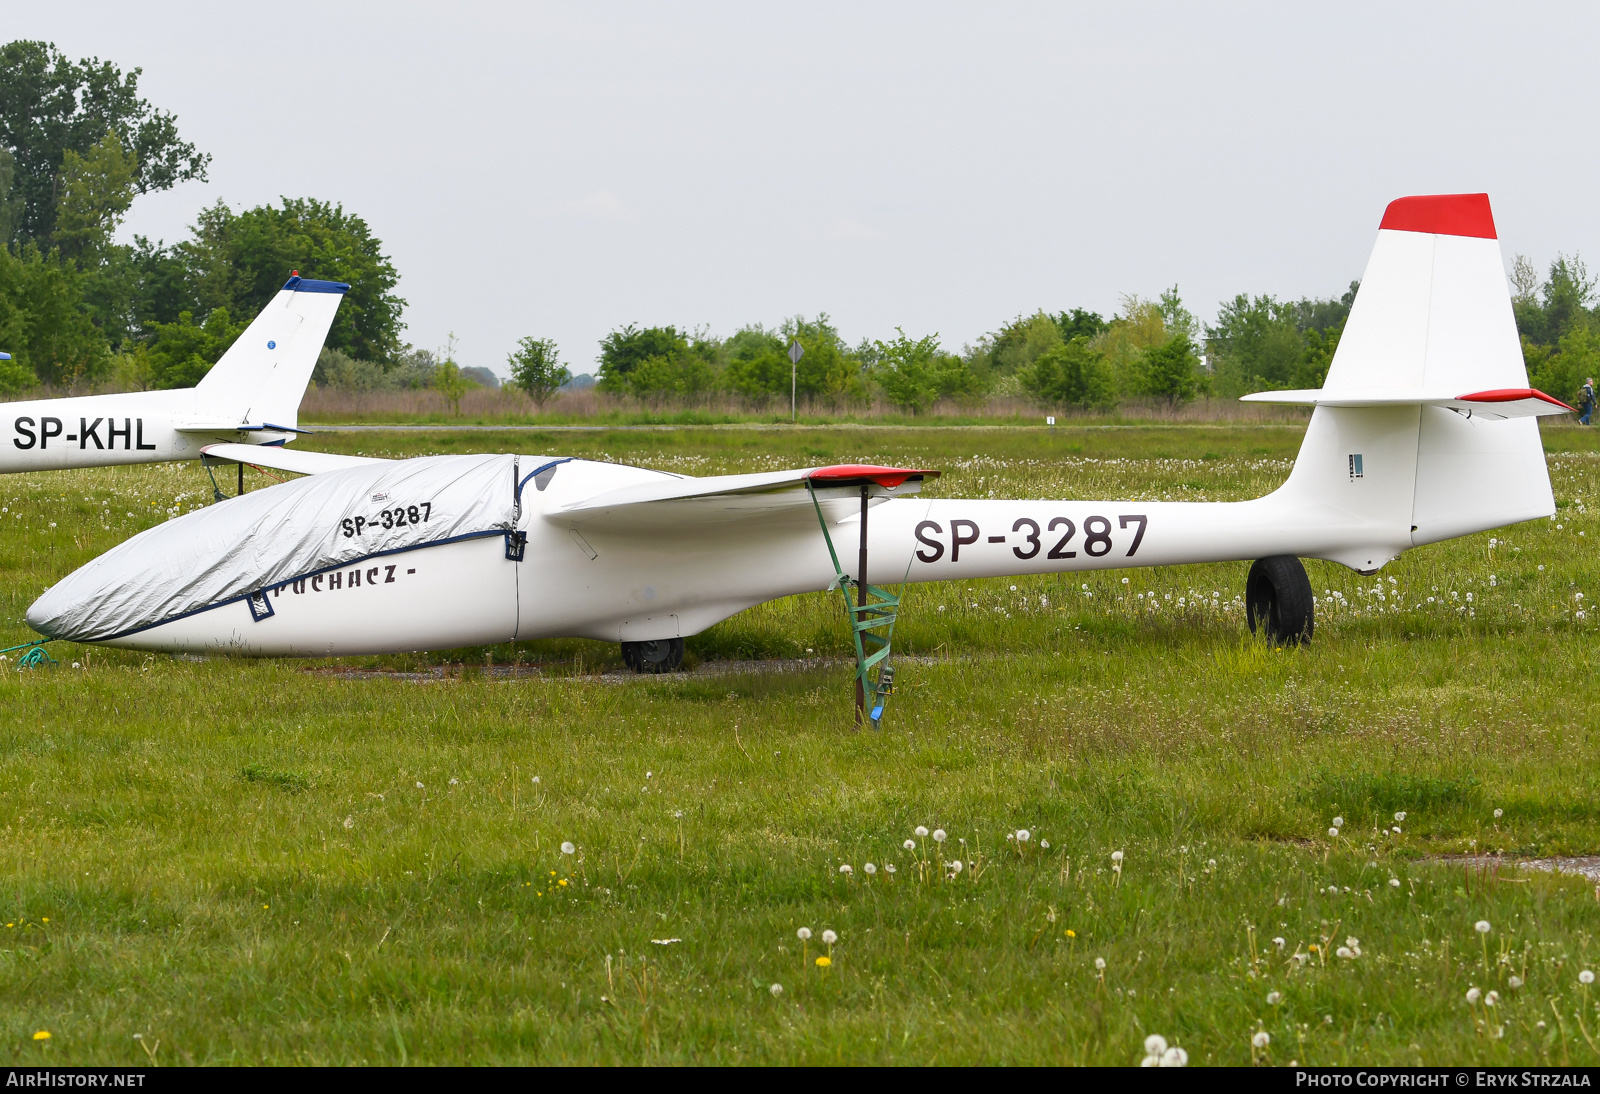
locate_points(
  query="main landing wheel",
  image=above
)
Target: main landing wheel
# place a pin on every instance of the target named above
(1278, 600)
(657, 655)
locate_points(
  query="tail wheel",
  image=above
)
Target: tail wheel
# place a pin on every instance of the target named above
(657, 655)
(1278, 600)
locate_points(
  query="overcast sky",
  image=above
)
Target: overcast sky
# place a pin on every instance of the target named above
(559, 170)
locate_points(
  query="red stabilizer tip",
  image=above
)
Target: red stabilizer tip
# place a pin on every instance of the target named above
(1511, 395)
(1442, 214)
(886, 477)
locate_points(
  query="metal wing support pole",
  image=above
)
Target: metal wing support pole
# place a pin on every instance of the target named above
(872, 617)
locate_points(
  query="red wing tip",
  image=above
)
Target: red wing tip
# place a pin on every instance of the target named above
(887, 477)
(1441, 214)
(1511, 395)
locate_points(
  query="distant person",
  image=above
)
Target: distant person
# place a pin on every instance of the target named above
(1586, 401)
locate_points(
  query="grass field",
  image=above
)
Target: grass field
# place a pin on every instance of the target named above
(302, 862)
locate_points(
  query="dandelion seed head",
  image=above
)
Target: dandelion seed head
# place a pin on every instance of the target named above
(803, 933)
(910, 845)
(1394, 883)
(1116, 856)
(1338, 822)
(567, 848)
(921, 831)
(1100, 963)
(419, 784)
(869, 869)
(1514, 982)
(1586, 977)
(1023, 835)
(1482, 926)
(1175, 1057)
(1155, 1045)
(1399, 818)
(1491, 999)
(1262, 1039)
(1473, 995)
(1279, 942)
(1498, 813)
(829, 937)
(1333, 833)
(1344, 951)
(776, 990)
(844, 868)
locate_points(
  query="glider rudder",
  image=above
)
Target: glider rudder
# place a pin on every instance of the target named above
(264, 374)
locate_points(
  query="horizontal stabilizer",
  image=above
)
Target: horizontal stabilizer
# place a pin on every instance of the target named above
(285, 459)
(1495, 405)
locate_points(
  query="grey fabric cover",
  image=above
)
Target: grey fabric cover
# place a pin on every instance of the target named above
(275, 535)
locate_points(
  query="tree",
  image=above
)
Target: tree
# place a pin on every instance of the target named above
(447, 379)
(1172, 371)
(241, 260)
(97, 189)
(1071, 375)
(44, 324)
(50, 105)
(11, 207)
(1079, 322)
(759, 366)
(183, 352)
(625, 349)
(1255, 346)
(537, 369)
(908, 371)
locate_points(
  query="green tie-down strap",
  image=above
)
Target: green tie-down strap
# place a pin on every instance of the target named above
(35, 655)
(866, 620)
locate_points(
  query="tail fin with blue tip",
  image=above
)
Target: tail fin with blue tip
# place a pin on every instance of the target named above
(261, 379)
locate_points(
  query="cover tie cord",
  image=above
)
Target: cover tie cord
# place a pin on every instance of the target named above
(35, 655)
(873, 610)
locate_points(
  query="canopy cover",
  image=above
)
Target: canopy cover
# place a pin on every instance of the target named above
(227, 551)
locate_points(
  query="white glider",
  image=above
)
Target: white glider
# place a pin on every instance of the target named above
(1424, 430)
(253, 392)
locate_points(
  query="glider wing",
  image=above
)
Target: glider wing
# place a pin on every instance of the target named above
(286, 459)
(679, 502)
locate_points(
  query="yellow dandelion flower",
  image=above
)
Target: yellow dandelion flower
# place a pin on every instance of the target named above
(562, 882)
(824, 961)
(1071, 933)
(539, 893)
(263, 907)
(552, 873)
(46, 919)
(42, 1035)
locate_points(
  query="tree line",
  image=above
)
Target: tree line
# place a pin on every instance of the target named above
(78, 144)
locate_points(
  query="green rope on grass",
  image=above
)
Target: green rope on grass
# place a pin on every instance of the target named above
(35, 655)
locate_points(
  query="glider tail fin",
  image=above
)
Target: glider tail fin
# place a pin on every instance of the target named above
(262, 377)
(1425, 427)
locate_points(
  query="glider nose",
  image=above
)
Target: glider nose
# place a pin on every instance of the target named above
(48, 614)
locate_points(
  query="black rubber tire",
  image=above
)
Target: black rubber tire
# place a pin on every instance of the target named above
(656, 656)
(1278, 600)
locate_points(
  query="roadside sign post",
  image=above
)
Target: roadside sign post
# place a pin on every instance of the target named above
(795, 353)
